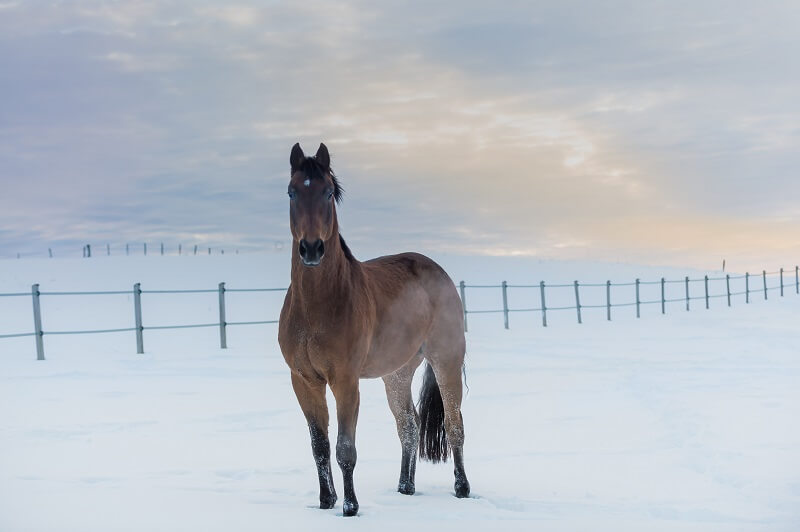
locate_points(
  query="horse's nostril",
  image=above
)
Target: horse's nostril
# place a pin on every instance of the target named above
(303, 248)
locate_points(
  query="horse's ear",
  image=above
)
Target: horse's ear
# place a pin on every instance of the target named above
(323, 157)
(297, 157)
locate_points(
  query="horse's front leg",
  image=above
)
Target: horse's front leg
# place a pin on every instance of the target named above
(311, 396)
(347, 401)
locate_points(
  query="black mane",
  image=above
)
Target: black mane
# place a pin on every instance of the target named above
(347, 253)
(314, 170)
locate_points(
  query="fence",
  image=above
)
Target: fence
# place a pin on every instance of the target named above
(143, 249)
(686, 297)
(39, 333)
(138, 328)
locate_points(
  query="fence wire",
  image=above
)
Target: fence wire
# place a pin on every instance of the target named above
(107, 293)
(95, 331)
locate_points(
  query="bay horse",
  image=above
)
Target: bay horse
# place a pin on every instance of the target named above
(345, 320)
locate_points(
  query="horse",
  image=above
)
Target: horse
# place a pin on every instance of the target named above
(343, 320)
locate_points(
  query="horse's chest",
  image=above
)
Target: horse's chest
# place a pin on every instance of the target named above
(315, 343)
(315, 351)
(320, 343)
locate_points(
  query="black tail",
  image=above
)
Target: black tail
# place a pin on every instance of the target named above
(432, 437)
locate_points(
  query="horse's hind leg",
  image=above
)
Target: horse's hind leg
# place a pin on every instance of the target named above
(445, 354)
(449, 378)
(398, 392)
(311, 396)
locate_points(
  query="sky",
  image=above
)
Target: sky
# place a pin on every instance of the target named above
(651, 132)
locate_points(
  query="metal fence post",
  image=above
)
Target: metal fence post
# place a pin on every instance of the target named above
(608, 300)
(137, 310)
(162, 248)
(638, 303)
(223, 339)
(687, 293)
(544, 305)
(728, 287)
(663, 299)
(505, 303)
(706, 284)
(578, 302)
(747, 287)
(764, 275)
(145, 248)
(463, 289)
(797, 279)
(37, 322)
(781, 282)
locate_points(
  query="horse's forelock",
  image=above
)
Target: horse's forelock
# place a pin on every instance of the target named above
(314, 170)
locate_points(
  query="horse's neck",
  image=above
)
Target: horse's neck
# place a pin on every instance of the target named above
(330, 280)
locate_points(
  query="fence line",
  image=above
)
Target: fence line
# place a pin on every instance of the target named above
(39, 333)
(141, 248)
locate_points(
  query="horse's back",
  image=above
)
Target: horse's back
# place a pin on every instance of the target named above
(413, 265)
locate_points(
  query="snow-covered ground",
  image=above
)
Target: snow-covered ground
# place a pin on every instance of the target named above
(687, 421)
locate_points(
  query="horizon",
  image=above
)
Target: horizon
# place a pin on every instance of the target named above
(524, 269)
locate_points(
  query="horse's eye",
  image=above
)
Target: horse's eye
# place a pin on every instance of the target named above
(330, 193)
(292, 194)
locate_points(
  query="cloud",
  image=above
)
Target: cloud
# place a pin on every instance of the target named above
(536, 128)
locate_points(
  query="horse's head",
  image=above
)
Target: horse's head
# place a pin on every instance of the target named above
(313, 194)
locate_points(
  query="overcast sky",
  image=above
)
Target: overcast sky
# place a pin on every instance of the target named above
(663, 134)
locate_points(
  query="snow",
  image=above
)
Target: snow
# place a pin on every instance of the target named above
(686, 421)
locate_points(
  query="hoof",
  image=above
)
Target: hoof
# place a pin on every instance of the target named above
(462, 489)
(350, 508)
(326, 503)
(406, 488)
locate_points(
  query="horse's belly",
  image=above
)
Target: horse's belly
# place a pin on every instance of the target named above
(391, 349)
(380, 364)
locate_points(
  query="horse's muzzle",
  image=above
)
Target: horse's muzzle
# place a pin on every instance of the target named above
(311, 252)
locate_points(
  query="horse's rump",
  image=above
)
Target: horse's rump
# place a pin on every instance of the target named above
(413, 298)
